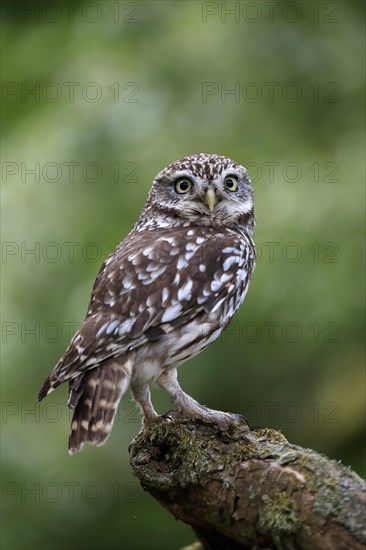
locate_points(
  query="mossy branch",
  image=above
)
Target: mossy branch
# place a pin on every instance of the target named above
(239, 488)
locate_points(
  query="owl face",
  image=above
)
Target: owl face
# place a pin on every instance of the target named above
(205, 190)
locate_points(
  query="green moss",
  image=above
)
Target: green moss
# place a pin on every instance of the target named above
(277, 515)
(311, 464)
(273, 436)
(326, 501)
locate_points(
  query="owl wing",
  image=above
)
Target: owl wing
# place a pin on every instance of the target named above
(153, 283)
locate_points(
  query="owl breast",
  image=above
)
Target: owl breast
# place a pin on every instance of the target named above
(205, 308)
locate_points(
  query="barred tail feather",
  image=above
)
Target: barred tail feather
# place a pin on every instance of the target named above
(95, 396)
(48, 386)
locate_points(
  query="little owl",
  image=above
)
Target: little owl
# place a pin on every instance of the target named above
(167, 291)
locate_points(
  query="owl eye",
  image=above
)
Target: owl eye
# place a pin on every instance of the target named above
(231, 183)
(183, 185)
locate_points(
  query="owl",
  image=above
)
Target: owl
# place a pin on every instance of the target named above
(163, 295)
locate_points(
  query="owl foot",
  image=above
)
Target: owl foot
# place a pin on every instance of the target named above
(189, 408)
(150, 421)
(222, 419)
(146, 422)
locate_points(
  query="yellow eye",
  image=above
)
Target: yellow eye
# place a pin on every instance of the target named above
(231, 183)
(183, 185)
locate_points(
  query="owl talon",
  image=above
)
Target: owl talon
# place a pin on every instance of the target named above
(155, 420)
(231, 418)
(172, 415)
(241, 418)
(169, 416)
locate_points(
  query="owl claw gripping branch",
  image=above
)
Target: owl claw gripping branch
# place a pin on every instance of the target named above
(167, 291)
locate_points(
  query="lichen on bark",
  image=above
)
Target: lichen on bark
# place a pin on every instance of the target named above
(240, 488)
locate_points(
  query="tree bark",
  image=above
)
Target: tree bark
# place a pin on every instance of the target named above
(243, 489)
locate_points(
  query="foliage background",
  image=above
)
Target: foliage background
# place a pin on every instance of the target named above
(161, 54)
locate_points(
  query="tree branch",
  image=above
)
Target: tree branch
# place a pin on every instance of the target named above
(240, 489)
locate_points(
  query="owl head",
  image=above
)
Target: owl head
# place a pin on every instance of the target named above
(203, 189)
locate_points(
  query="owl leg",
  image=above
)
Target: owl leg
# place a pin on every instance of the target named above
(189, 407)
(141, 395)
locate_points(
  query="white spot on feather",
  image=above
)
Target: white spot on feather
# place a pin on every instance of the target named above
(152, 267)
(230, 261)
(189, 255)
(127, 282)
(185, 292)
(218, 304)
(171, 313)
(182, 262)
(216, 285)
(112, 327)
(125, 327)
(226, 277)
(243, 274)
(155, 274)
(147, 250)
(170, 240)
(164, 294)
(101, 330)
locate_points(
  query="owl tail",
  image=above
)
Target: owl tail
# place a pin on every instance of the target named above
(95, 397)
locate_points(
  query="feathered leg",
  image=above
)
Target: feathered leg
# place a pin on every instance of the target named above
(189, 407)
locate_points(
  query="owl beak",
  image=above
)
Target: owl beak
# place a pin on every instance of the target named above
(210, 199)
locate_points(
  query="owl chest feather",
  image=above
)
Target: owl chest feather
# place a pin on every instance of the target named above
(216, 297)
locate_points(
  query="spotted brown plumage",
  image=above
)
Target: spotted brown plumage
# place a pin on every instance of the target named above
(166, 292)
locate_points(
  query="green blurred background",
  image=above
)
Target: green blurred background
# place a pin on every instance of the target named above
(121, 89)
